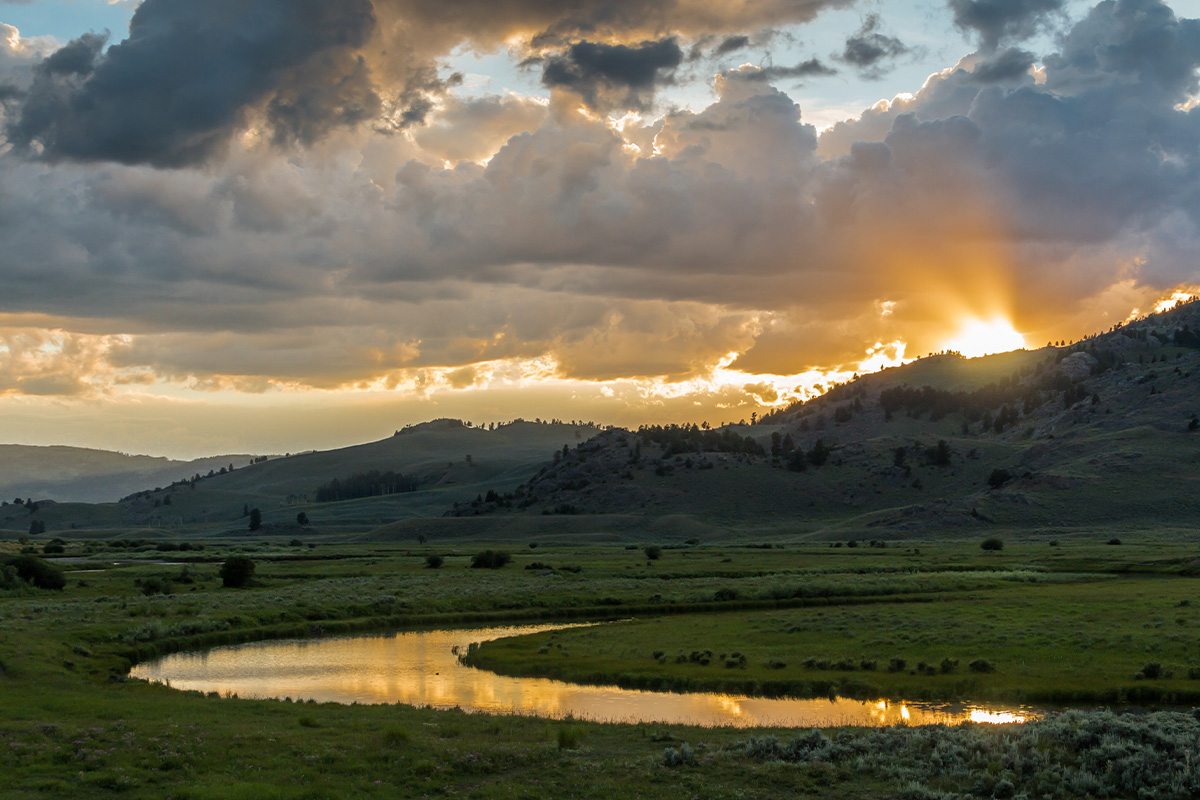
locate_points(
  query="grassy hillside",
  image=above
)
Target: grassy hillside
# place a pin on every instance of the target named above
(1100, 433)
(1103, 433)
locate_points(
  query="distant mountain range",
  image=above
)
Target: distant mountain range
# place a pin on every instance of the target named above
(81, 475)
(420, 471)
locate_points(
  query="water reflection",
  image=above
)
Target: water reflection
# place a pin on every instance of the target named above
(420, 668)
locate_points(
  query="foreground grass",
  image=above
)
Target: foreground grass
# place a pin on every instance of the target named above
(72, 727)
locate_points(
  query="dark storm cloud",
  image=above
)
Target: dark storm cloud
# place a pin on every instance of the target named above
(1006, 66)
(175, 91)
(868, 49)
(10, 93)
(606, 76)
(192, 75)
(996, 21)
(76, 58)
(333, 97)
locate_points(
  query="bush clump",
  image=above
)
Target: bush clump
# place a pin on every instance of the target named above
(490, 559)
(653, 552)
(981, 665)
(1150, 672)
(434, 562)
(236, 572)
(32, 570)
(682, 756)
(992, 543)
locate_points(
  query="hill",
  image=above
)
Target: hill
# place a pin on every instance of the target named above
(1100, 434)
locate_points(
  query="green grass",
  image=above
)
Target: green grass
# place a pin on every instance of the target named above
(72, 728)
(1055, 643)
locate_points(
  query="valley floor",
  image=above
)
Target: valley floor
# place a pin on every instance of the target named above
(1077, 621)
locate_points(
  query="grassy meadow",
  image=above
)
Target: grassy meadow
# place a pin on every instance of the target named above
(1073, 622)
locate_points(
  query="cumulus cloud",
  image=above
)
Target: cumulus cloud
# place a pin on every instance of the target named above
(1012, 64)
(191, 76)
(178, 88)
(602, 249)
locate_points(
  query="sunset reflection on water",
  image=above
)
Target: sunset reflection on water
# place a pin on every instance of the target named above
(420, 668)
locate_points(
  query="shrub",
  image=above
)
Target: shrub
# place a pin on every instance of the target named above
(981, 665)
(490, 559)
(653, 552)
(152, 586)
(1150, 672)
(236, 572)
(54, 549)
(948, 665)
(1113, 541)
(434, 562)
(34, 570)
(999, 477)
(992, 544)
(673, 757)
(897, 665)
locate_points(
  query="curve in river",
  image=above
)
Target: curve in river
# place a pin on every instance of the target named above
(420, 668)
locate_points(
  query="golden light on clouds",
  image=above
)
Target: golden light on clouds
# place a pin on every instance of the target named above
(979, 337)
(1167, 303)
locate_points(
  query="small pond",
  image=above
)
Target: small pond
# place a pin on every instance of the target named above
(421, 668)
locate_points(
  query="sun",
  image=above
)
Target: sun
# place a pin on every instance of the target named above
(979, 337)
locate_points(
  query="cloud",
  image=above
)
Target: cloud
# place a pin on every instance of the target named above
(813, 67)
(868, 50)
(474, 129)
(614, 76)
(1012, 64)
(179, 87)
(573, 245)
(731, 44)
(997, 21)
(192, 76)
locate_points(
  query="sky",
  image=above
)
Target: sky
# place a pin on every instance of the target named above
(279, 225)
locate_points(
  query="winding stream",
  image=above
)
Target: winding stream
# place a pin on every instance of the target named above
(420, 668)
